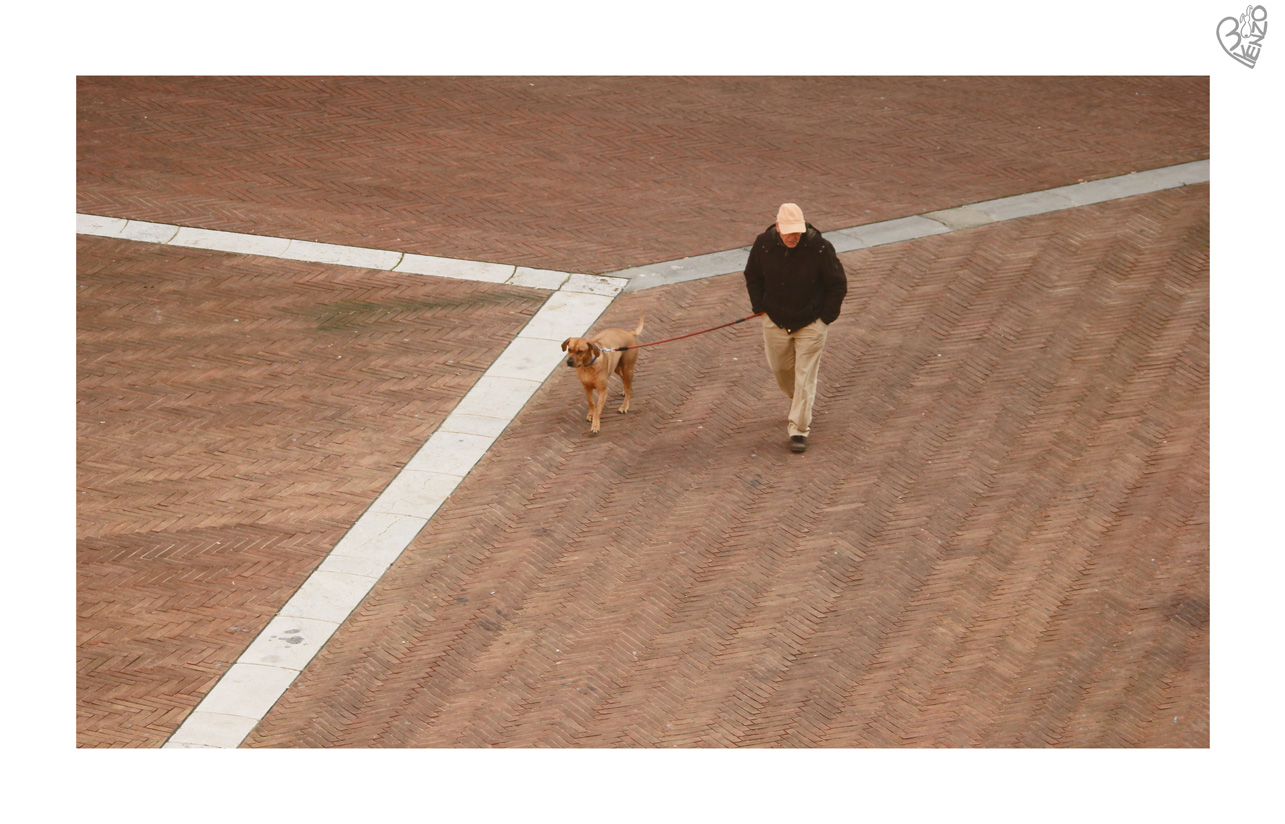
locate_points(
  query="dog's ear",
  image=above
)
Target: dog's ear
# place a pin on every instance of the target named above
(595, 349)
(564, 344)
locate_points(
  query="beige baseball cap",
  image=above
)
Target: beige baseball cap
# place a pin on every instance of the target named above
(789, 220)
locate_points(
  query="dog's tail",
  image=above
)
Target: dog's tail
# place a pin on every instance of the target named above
(641, 318)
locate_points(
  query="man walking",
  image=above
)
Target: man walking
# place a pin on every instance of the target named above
(794, 276)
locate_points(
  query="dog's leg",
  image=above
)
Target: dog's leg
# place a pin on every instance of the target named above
(597, 410)
(588, 393)
(626, 372)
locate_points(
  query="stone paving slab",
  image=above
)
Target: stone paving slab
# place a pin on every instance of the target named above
(346, 256)
(289, 642)
(212, 730)
(347, 565)
(538, 278)
(1139, 183)
(687, 269)
(248, 686)
(963, 217)
(451, 453)
(559, 317)
(148, 232)
(449, 268)
(474, 424)
(1008, 208)
(239, 244)
(327, 596)
(890, 231)
(417, 493)
(378, 537)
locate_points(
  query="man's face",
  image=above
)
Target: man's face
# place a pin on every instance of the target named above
(791, 240)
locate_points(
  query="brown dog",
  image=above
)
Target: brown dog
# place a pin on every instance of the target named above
(594, 366)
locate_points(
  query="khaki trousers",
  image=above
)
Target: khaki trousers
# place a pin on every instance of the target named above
(795, 360)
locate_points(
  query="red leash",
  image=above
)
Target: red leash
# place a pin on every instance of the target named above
(680, 337)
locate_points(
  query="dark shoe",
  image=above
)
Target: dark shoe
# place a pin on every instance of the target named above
(798, 443)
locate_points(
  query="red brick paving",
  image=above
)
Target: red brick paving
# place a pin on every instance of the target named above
(593, 174)
(1058, 448)
(235, 415)
(999, 537)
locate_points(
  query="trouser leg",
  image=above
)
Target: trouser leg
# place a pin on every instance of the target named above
(808, 344)
(795, 361)
(779, 348)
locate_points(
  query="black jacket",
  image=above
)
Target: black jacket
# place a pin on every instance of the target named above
(795, 286)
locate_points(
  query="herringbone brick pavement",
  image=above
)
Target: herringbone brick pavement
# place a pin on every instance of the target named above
(999, 536)
(597, 174)
(235, 415)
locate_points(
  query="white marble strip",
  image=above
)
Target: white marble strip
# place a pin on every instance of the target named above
(932, 223)
(258, 679)
(665, 272)
(329, 253)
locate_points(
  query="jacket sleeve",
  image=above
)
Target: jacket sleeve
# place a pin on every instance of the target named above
(754, 279)
(835, 282)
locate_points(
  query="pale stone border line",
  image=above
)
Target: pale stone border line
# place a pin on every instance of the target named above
(258, 679)
(663, 273)
(306, 250)
(932, 223)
